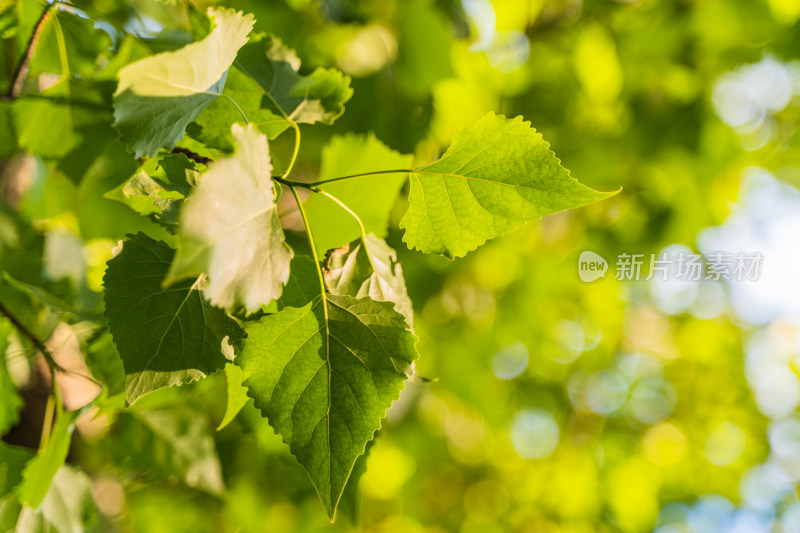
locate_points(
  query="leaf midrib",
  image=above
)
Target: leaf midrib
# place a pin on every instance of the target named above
(515, 185)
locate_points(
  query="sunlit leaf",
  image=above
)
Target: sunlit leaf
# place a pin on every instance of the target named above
(494, 177)
(324, 376)
(369, 269)
(237, 394)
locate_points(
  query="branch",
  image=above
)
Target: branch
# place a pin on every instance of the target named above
(291, 183)
(197, 158)
(21, 70)
(357, 219)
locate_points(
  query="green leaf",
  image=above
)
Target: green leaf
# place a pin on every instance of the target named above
(318, 97)
(303, 284)
(272, 93)
(18, 19)
(350, 502)
(12, 462)
(10, 401)
(371, 198)
(172, 444)
(51, 195)
(494, 177)
(237, 394)
(230, 229)
(369, 269)
(8, 136)
(159, 96)
(324, 376)
(39, 472)
(21, 247)
(424, 54)
(8, 19)
(32, 306)
(165, 337)
(129, 49)
(82, 43)
(10, 509)
(213, 127)
(65, 117)
(159, 188)
(68, 507)
(104, 361)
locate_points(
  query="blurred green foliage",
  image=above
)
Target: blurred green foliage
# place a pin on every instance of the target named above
(556, 405)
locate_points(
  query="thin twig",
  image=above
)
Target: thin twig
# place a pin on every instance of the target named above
(313, 251)
(357, 219)
(296, 150)
(314, 184)
(21, 71)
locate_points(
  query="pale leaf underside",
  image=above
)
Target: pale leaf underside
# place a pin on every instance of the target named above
(158, 96)
(230, 228)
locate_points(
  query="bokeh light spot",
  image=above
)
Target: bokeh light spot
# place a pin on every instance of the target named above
(534, 434)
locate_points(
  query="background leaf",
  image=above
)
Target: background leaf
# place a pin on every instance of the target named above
(10, 401)
(371, 198)
(12, 462)
(39, 471)
(65, 120)
(68, 506)
(317, 97)
(159, 188)
(85, 46)
(171, 445)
